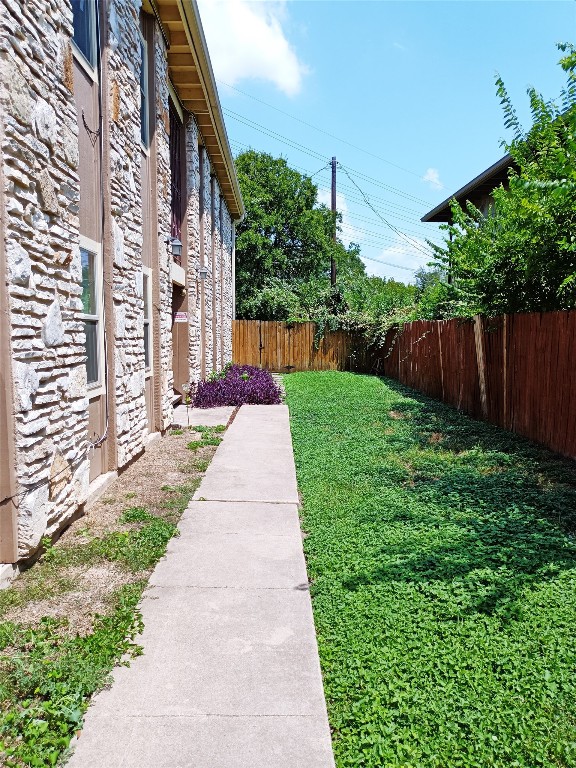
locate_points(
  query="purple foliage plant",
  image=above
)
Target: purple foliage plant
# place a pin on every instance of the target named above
(237, 385)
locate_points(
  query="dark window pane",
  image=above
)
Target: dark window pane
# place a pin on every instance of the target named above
(84, 12)
(144, 132)
(146, 345)
(146, 303)
(88, 282)
(176, 135)
(91, 330)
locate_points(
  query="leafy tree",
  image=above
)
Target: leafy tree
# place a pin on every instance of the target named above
(522, 255)
(286, 236)
(283, 251)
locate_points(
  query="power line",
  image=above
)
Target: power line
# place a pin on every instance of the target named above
(321, 130)
(357, 201)
(389, 264)
(340, 186)
(308, 151)
(395, 229)
(272, 134)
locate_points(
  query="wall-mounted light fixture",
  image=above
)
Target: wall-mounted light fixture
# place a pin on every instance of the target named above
(175, 246)
(203, 272)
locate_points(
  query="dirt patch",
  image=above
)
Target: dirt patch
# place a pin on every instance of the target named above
(398, 415)
(68, 582)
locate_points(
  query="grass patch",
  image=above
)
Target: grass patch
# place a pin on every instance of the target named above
(43, 707)
(48, 669)
(442, 558)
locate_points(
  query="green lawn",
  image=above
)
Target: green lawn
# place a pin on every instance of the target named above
(443, 568)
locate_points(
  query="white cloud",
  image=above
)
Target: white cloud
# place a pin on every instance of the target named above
(432, 177)
(246, 40)
(402, 253)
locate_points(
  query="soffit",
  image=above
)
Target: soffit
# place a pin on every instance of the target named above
(191, 74)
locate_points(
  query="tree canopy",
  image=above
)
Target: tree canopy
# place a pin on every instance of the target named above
(283, 252)
(522, 255)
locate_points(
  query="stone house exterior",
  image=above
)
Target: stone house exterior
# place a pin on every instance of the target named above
(113, 151)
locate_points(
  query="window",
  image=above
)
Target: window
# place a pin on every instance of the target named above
(90, 312)
(84, 12)
(176, 138)
(144, 104)
(147, 340)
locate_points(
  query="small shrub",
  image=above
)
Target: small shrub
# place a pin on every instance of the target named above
(237, 385)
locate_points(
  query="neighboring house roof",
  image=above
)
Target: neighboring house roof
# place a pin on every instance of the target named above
(475, 191)
(191, 74)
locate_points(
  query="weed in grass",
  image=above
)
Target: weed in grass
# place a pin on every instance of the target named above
(176, 432)
(130, 495)
(46, 705)
(442, 558)
(201, 465)
(193, 445)
(219, 428)
(211, 441)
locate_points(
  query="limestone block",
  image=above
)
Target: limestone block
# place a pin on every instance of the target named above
(47, 189)
(120, 317)
(76, 265)
(77, 386)
(53, 329)
(139, 283)
(81, 482)
(18, 91)
(118, 239)
(45, 122)
(18, 263)
(70, 146)
(26, 383)
(60, 474)
(32, 519)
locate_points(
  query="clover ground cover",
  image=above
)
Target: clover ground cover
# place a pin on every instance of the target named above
(443, 567)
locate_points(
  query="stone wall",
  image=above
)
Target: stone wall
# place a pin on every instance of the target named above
(193, 223)
(39, 138)
(162, 313)
(217, 259)
(40, 230)
(123, 79)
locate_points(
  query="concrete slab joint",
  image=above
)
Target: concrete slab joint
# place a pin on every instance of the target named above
(230, 675)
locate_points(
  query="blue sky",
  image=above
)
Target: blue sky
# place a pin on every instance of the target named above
(409, 83)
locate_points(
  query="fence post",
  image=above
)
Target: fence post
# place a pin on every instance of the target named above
(505, 373)
(481, 364)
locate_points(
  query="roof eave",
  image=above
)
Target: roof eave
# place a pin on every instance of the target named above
(443, 212)
(193, 79)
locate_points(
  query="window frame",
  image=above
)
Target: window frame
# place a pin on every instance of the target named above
(145, 92)
(95, 388)
(147, 302)
(91, 68)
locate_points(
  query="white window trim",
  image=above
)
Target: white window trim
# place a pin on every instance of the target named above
(91, 71)
(149, 372)
(98, 388)
(176, 103)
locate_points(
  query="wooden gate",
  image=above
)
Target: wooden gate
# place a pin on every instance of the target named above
(285, 347)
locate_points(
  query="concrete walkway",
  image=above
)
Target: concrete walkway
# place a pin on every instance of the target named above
(230, 676)
(186, 416)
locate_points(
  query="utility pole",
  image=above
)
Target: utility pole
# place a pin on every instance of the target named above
(333, 208)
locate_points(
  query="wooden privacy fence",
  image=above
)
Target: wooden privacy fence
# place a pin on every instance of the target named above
(516, 371)
(285, 347)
